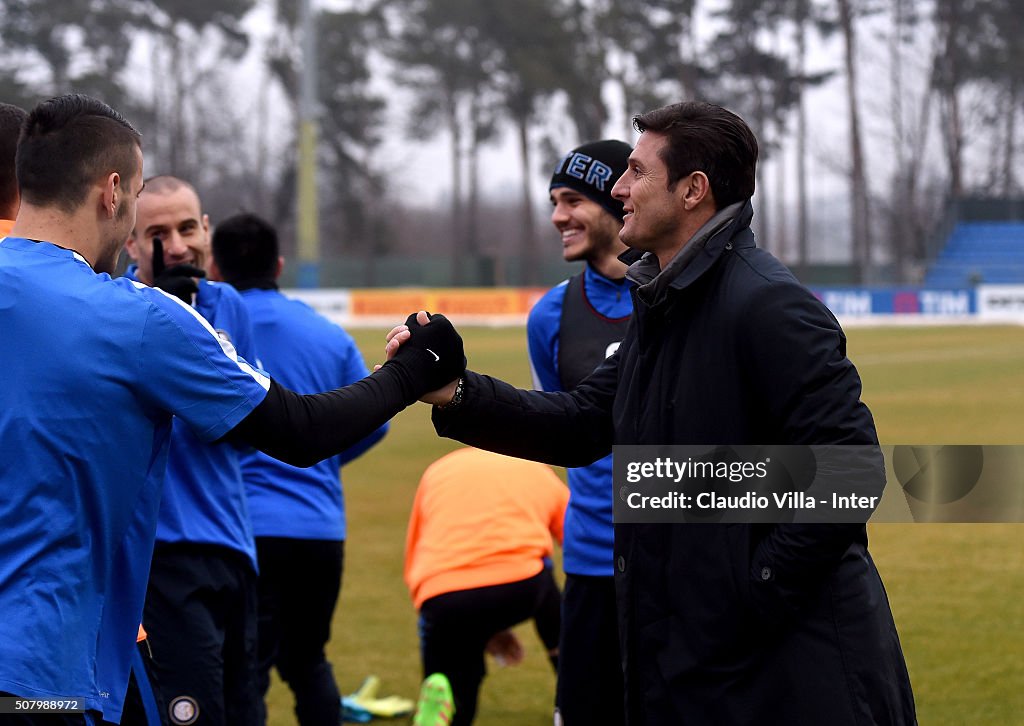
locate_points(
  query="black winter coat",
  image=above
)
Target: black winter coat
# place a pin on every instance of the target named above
(723, 625)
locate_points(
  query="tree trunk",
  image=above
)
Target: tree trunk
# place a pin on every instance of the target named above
(56, 55)
(859, 205)
(455, 128)
(948, 21)
(782, 242)
(157, 146)
(473, 196)
(918, 217)
(763, 212)
(529, 263)
(261, 193)
(1010, 149)
(629, 108)
(954, 141)
(689, 76)
(801, 151)
(900, 214)
(176, 138)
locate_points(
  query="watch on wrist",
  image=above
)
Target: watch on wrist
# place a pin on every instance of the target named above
(460, 389)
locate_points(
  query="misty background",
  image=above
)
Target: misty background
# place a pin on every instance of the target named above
(440, 120)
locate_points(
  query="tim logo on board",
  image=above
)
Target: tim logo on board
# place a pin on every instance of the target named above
(945, 302)
(847, 303)
(905, 302)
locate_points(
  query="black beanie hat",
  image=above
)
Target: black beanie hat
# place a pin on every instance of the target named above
(592, 170)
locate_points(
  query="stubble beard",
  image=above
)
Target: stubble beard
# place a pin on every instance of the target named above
(107, 261)
(604, 241)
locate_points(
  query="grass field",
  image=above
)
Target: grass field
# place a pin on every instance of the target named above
(957, 590)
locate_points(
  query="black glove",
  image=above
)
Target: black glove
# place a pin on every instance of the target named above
(433, 354)
(177, 280)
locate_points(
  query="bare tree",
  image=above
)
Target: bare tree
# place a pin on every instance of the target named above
(535, 43)
(445, 56)
(860, 225)
(651, 52)
(949, 77)
(804, 15)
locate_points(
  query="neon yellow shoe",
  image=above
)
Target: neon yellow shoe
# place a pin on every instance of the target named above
(365, 700)
(367, 690)
(388, 707)
(436, 705)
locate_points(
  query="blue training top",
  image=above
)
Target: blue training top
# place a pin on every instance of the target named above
(587, 549)
(306, 353)
(93, 368)
(204, 497)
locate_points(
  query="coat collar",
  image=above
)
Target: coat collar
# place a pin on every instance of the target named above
(729, 228)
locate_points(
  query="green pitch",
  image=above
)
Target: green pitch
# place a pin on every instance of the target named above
(957, 591)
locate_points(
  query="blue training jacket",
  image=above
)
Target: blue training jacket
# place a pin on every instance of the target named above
(204, 498)
(307, 353)
(93, 370)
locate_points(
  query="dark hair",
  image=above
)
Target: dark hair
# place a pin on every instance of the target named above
(708, 138)
(11, 119)
(67, 144)
(245, 248)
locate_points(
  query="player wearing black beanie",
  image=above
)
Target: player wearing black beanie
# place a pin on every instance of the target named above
(570, 332)
(592, 169)
(588, 173)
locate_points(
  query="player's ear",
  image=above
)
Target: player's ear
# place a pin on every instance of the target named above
(695, 189)
(111, 193)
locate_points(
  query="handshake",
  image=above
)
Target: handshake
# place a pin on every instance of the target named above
(429, 350)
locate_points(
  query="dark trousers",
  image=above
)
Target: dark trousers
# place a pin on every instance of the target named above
(455, 627)
(200, 615)
(140, 705)
(298, 589)
(590, 690)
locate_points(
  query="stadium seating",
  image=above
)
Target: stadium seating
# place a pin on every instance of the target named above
(980, 252)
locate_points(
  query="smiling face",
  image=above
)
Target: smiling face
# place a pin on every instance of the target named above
(176, 218)
(587, 230)
(654, 213)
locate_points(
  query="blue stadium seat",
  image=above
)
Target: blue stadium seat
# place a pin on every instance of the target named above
(980, 252)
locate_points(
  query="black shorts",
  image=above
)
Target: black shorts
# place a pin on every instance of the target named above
(200, 616)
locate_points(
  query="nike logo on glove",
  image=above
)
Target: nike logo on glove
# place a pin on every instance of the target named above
(436, 356)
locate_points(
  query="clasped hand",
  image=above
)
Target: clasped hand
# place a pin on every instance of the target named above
(435, 342)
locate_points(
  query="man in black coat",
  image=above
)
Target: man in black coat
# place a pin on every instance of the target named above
(720, 624)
